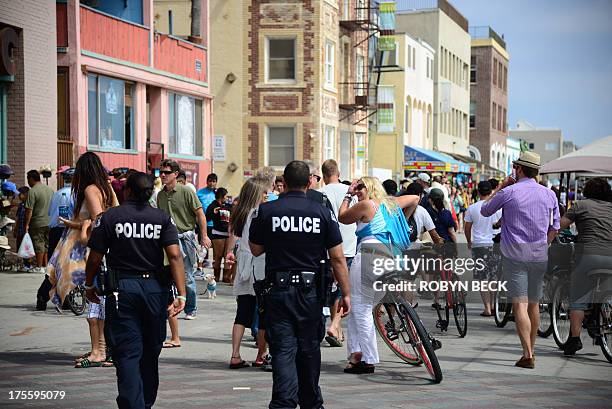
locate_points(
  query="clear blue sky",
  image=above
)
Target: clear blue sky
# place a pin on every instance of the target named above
(560, 72)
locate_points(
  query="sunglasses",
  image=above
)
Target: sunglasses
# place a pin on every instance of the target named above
(166, 172)
(317, 177)
(360, 186)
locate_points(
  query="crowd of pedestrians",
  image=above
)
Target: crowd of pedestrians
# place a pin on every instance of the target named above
(518, 212)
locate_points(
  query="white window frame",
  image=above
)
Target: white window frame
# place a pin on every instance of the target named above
(267, 143)
(329, 142)
(359, 74)
(267, 61)
(329, 65)
(393, 125)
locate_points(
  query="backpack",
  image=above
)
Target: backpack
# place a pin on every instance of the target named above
(398, 230)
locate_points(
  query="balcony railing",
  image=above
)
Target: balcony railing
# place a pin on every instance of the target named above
(445, 6)
(113, 37)
(180, 57)
(61, 21)
(486, 32)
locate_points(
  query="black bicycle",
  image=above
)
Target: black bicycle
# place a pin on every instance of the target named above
(76, 300)
(597, 319)
(401, 329)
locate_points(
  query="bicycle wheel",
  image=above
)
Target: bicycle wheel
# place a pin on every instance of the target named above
(77, 300)
(420, 341)
(560, 314)
(502, 309)
(546, 325)
(604, 322)
(460, 311)
(389, 326)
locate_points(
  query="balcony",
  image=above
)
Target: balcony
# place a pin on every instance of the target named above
(180, 57)
(444, 5)
(487, 32)
(113, 37)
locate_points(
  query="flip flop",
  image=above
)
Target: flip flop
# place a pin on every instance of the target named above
(482, 314)
(168, 344)
(333, 341)
(241, 364)
(80, 358)
(86, 363)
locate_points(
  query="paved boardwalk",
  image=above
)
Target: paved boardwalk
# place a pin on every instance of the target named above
(37, 348)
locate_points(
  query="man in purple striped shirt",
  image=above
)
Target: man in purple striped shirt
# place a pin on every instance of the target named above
(529, 223)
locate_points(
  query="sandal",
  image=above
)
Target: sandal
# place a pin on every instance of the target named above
(168, 344)
(359, 368)
(259, 362)
(80, 358)
(86, 363)
(333, 341)
(241, 364)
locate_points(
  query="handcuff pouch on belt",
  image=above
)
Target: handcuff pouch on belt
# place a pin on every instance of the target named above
(111, 282)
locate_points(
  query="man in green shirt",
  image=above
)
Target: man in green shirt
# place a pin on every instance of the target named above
(37, 218)
(182, 204)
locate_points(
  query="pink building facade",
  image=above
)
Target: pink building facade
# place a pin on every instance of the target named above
(129, 93)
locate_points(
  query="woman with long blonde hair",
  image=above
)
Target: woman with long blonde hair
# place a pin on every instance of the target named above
(372, 230)
(252, 193)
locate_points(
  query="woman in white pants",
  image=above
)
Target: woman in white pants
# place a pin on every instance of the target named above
(371, 230)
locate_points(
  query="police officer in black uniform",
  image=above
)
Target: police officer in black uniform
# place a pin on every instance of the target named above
(135, 236)
(294, 231)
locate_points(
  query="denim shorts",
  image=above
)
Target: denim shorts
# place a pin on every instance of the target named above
(524, 279)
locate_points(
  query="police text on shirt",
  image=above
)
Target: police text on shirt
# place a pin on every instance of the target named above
(297, 224)
(138, 230)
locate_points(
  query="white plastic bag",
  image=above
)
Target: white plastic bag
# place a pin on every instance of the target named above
(26, 249)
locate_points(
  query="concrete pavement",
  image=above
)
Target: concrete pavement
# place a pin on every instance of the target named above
(37, 350)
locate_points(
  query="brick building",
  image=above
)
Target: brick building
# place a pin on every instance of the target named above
(290, 82)
(489, 96)
(131, 93)
(28, 96)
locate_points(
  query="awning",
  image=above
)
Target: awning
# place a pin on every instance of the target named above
(428, 160)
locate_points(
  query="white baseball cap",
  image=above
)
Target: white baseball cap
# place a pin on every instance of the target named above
(424, 177)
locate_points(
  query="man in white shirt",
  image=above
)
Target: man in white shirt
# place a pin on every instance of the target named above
(335, 192)
(437, 184)
(479, 233)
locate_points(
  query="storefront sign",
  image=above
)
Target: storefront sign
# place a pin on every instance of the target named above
(191, 171)
(219, 148)
(432, 166)
(248, 173)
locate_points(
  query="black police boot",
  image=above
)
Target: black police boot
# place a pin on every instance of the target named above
(572, 345)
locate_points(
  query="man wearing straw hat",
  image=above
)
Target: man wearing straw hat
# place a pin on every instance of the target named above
(529, 223)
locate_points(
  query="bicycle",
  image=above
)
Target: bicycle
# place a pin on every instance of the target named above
(401, 329)
(597, 319)
(455, 300)
(77, 301)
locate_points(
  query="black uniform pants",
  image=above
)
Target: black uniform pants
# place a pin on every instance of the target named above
(295, 329)
(136, 332)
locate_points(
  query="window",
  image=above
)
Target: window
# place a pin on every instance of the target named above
(329, 63)
(494, 116)
(407, 118)
(551, 146)
(505, 78)
(504, 123)
(386, 109)
(473, 70)
(499, 118)
(500, 75)
(281, 145)
(329, 143)
(362, 10)
(472, 114)
(281, 59)
(494, 71)
(359, 75)
(388, 58)
(185, 125)
(110, 112)
(359, 154)
(409, 56)
(346, 10)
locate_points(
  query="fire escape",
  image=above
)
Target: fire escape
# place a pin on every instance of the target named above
(358, 97)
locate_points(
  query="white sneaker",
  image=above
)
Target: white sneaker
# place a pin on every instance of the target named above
(37, 270)
(190, 317)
